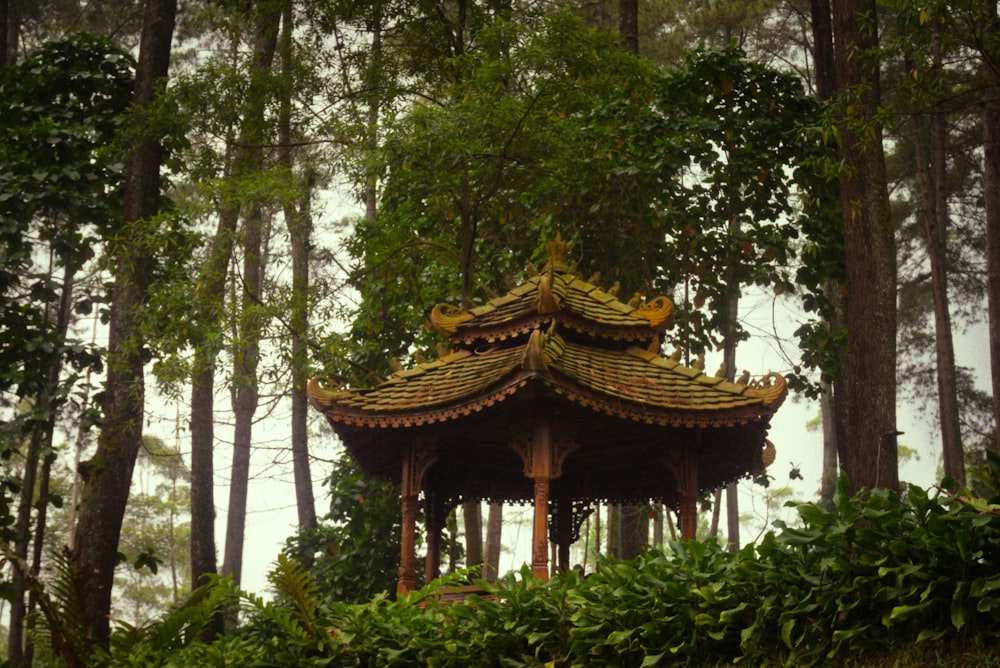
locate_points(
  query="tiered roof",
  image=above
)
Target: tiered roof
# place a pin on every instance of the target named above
(561, 344)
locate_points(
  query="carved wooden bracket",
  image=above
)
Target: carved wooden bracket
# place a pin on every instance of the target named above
(417, 460)
(531, 448)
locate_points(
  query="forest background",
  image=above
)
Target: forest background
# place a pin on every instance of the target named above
(333, 170)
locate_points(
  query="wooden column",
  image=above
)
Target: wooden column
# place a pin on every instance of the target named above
(685, 469)
(541, 473)
(689, 517)
(417, 458)
(407, 550)
(542, 454)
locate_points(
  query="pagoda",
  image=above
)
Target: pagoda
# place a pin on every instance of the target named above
(554, 394)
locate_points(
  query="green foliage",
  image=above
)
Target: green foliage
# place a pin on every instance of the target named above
(694, 183)
(354, 553)
(60, 192)
(877, 573)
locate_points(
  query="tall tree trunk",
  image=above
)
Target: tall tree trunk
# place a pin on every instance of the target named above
(828, 481)
(991, 188)
(713, 527)
(39, 450)
(614, 530)
(105, 495)
(244, 392)
(628, 25)
(929, 142)
(870, 370)
(10, 31)
(246, 157)
(831, 409)
(729, 368)
(658, 526)
(299, 224)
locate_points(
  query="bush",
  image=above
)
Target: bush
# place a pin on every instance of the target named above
(880, 573)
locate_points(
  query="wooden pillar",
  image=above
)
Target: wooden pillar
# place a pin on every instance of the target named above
(688, 517)
(407, 550)
(543, 456)
(417, 458)
(685, 470)
(541, 472)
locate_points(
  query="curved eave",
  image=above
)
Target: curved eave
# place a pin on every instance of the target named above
(508, 385)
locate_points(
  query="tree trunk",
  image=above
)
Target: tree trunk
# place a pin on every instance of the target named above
(472, 518)
(494, 528)
(247, 355)
(628, 25)
(39, 449)
(10, 31)
(105, 495)
(828, 482)
(729, 368)
(299, 225)
(713, 527)
(929, 143)
(991, 188)
(614, 531)
(831, 409)
(870, 368)
(245, 393)
(634, 532)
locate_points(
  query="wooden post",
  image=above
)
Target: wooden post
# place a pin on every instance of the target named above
(417, 458)
(407, 550)
(541, 471)
(540, 535)
(689, 517)
(685, 470)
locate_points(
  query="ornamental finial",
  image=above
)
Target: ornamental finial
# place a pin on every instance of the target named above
(558, 251)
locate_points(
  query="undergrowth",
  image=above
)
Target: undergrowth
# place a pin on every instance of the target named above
(880, 579)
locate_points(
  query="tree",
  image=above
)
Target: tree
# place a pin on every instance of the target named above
(869, 454)
(991, 188)
(62, 107)
(298, 220)
(247, 341)
(110, 470)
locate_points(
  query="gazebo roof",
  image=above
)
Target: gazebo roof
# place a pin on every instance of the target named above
(560, 346)
(634, 384)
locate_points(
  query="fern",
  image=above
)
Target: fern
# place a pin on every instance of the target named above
(183, 625)
(61, 624)
(293, 584)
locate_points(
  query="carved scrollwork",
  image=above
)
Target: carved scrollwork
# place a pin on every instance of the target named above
(421, 456)
(446, 318)
(561, 446)
(771, 388)
(656, 311)
(325, 391)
